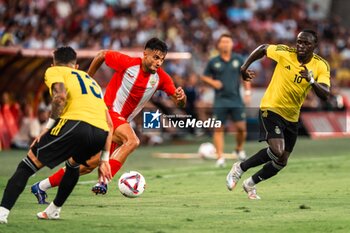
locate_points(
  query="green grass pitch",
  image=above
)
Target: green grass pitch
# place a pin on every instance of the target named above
(310, 195)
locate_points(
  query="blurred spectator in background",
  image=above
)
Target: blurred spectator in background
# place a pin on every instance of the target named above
(11, 122)
(191, 91)
(186, 26)
(30, 128)
(45, 103)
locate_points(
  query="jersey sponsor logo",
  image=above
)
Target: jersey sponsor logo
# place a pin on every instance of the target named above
(151, 120)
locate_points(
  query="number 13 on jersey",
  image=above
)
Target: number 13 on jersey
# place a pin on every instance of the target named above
(97, 93)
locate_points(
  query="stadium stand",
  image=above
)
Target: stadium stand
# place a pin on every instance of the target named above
(29, 30)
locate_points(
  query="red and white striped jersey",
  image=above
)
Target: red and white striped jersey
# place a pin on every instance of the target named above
(130, 87)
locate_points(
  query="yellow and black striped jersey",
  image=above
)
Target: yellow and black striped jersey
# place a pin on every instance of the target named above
(84, 96)
(287, 90)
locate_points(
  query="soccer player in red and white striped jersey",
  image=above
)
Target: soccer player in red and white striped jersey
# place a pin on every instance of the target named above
(133, 84)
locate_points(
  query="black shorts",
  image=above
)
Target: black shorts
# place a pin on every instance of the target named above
(273, 125)
(69, 138)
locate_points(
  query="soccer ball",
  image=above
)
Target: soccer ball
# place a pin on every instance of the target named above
(207, 150)
(131, 184)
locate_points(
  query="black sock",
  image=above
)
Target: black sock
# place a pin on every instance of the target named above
(69, 180)
(269, 170)
(259, 158)
(17, 183)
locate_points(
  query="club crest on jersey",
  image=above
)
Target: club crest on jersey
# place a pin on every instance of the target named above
(264, 114)
(217, 65)
(277, 130)
(235, 63)
(152, 81)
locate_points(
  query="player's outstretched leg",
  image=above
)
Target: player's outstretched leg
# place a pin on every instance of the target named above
(239, 168)
(269, 170)
(15, 187)
(39, 189)
(128, 143)
(69, 180)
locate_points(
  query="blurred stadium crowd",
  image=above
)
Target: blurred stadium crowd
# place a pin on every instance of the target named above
(187, 26)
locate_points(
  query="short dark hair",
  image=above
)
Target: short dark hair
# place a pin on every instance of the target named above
(156, 44)
(313, 33)
(224, 35)
(65, 55)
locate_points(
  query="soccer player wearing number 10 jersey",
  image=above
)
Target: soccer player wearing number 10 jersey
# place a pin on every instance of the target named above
(297, 71)
(133, 84)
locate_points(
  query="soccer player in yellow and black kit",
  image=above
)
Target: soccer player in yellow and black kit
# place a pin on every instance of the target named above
(78, 128)
(296, 72)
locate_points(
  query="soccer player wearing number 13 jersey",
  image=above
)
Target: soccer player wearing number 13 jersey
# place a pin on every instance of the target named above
(297, 71)
(79, 128)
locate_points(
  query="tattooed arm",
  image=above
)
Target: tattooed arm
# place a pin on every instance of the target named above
(59, 97)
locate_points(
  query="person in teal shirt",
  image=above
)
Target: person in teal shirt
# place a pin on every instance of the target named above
(223, 74)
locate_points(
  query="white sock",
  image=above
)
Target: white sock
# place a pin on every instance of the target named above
(44, 185)
(52, 208)
(4, 211)
(250, 181)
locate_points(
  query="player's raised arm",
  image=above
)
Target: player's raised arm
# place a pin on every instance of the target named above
(257, 54)
(97, 62)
